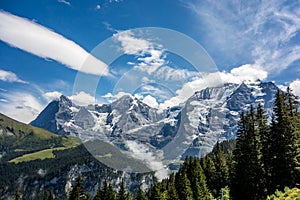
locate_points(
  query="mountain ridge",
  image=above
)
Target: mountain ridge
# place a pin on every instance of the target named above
(208, 116)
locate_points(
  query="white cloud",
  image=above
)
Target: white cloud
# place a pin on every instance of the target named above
(65, 2)
(43, 42)
(158, 91)
(112, 97)
(139, 96)
(150, 55)
(152, 159)
(111, 1)
(98, 7)
(10, 77)
(108, 95)
(49, 96)
(261, 32)
(295, 86)
(249, 72)
(150, 101)
(21, 106)
(237, 75)
(82, 98)
(282, 87)
(130, 44)
(168, 73)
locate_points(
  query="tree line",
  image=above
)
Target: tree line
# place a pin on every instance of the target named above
(264, 158)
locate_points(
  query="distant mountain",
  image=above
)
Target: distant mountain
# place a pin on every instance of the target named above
(33, 160)
(208, 116)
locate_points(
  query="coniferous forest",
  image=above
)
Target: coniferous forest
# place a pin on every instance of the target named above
(261, 162)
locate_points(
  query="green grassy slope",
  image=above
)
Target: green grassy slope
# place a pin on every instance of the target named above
(21, 142)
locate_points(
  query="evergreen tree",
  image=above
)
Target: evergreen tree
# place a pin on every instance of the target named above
(122, 194)
(77, 192)
(155, 192)
(239, 161)
(98, 194)
(197, 179)
(110, 193)
(248, 180)
(284, 147)
(17, 196)
(255, 168)
(140, 195)
(209, 170)
(107, 192)
(221, 169)
(50, 196)
(172, 193)
(183, 186)
(45, 195)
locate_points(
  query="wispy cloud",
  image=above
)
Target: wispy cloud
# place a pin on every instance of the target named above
(43, 42)
(150, 55)
(8, 76)
(21, 106)
(151, 59)
(65, 2)
(111, 1)
(261, 32)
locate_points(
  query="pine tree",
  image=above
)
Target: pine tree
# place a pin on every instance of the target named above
(196, 177)
(50, 196)
(284, 149)
(77, 192)
(255, 168)
(45, 195)
(98, 194)
(183, 186)
(17, 196)
(111, 194)
(221, 169)
(239, 161)
(107, 192)
(140, 195)
(172, 193)
(89, 197)
(210, 174)
(122, 194)
(155, 192)
(248, 179)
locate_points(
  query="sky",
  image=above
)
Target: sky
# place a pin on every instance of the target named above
(160, 51)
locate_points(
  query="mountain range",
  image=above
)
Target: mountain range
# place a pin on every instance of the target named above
(156, 137)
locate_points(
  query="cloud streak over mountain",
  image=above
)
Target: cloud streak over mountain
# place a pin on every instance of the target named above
(45, 43)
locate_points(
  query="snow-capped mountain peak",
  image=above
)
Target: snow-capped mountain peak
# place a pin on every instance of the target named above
(192, 128)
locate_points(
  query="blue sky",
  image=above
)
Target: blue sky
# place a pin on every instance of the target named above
(49, 48)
